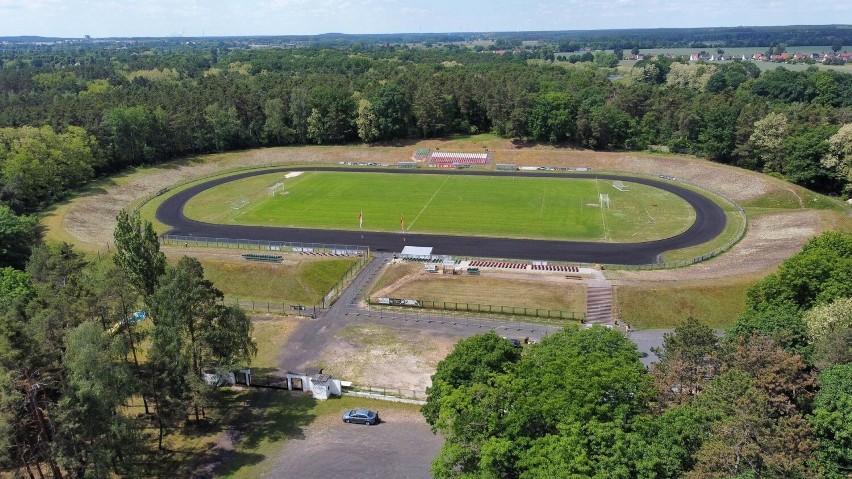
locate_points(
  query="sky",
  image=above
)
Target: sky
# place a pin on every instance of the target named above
(193, 18)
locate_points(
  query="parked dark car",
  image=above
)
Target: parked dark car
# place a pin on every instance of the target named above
(515, 342)
(361, 416)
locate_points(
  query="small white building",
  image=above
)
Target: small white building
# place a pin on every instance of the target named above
(322, 386)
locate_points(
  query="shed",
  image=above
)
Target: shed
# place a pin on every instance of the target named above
(323, 386)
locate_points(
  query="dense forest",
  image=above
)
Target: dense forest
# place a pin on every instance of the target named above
(72, 112)
(772, 398)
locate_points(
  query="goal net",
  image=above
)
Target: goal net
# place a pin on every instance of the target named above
(274, 189)
(619, 185)
(604, 200)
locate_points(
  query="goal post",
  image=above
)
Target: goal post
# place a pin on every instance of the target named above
(274, 189)
(604, 199)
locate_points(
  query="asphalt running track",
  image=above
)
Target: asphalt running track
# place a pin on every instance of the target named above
(709, 222)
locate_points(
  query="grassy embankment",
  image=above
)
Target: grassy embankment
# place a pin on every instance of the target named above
(719, 302)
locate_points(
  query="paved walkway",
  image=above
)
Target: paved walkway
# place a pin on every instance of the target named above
(312, 337)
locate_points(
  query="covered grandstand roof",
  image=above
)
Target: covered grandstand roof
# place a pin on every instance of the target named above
(463, 158)
(416, 251)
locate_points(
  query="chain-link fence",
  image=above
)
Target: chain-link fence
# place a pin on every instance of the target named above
(479, 309)
(387, 391)
(698, 259)
(315, 249)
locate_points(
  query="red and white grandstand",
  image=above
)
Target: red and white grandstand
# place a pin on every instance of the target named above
(449, 160)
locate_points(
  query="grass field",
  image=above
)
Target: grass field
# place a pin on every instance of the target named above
(498, 206)
(664, 305)
(304, 283)
(472, 290)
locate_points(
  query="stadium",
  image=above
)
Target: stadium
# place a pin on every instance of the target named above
(480, 213)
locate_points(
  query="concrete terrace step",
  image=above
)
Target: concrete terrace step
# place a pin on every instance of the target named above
(599, 304)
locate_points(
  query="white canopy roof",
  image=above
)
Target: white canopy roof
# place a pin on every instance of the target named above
(417, 251)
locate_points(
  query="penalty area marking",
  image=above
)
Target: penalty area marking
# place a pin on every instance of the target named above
(603, 216)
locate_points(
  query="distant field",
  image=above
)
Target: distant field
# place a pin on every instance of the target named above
(504, 206)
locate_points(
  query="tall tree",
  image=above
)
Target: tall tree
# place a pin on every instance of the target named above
(300, 111)
(472, 360)
(830, 330)
(332, 115)
(223, 126)
(819, 274)
(747, 437)
(138, 255)
(832, 422)
(366, 122)
(392, 108)
(135, 136)
(275, 130)
(138, 252)
(839, 157)
(18, 235)
(430, 110)
(565, 406)
(190, 322)
(94, 437)
(689, 359)
(767, 141)
(39, 165)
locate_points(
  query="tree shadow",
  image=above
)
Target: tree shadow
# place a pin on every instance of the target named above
(219, 461)
(237, 421)
(274, 415)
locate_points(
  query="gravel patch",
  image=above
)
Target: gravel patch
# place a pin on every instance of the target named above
(770, 240)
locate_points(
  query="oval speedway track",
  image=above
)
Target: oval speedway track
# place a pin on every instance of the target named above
(709, 222)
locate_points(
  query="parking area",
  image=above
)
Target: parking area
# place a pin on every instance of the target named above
(402, 446)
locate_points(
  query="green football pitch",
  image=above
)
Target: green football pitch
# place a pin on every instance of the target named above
(498, 206)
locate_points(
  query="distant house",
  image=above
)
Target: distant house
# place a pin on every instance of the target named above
(745, 58)
(694, 57)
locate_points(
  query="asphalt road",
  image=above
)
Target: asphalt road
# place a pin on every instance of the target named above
(709, 222)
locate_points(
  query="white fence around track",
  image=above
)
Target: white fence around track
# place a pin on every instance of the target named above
(698, 259)
(261, 245)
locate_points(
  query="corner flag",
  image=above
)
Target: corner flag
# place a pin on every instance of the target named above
(402, 223)
(361, 219)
